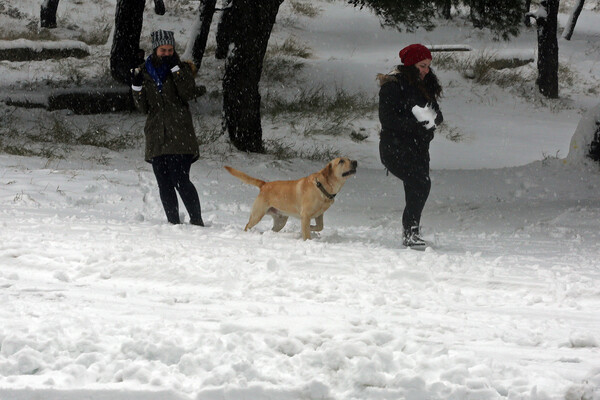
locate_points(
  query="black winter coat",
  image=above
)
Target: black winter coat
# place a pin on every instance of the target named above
(404, 146)
(169, 128)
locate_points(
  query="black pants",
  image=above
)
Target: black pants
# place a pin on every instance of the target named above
(416, 192)
(413, 169)
(172, 173)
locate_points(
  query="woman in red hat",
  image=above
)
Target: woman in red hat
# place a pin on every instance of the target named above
(406, 131)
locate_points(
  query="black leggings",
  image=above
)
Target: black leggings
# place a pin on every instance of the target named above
(172, 173)
(416, 192)
(413, 170)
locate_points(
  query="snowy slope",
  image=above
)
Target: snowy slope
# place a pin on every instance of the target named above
(101, 295)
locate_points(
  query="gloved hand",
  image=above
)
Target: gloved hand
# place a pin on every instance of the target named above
(428, 133)
(137, 77)
(170, 61)
(425, 123)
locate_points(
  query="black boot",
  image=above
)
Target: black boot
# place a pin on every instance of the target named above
(197, 222)
(412, 238)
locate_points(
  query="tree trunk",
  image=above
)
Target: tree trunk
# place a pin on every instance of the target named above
(225, 31)
(594, 153)
(48, 13)
(547, 25)
(126, 42)
(568, 32)
(159, 7)
(200, 31)
(250, 26)
(477, 13)
(447, 9)
(527, 8)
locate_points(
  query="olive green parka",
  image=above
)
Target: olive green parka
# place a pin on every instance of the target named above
(169, 128)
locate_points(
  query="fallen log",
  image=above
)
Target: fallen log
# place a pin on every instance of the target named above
(29, 50)
(449, 47)
(81, 100)
(91, 101)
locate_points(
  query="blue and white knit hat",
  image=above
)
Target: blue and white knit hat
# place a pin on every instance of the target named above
(161, 37)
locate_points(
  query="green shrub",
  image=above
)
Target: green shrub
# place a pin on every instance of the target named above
(304, 8)
(207, 135)
(286, 151)
(99, 35)
(290, 47)
(279, 69)
(358, 136)
(315, 101)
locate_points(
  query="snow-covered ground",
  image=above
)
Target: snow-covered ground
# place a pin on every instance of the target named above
(101, 299)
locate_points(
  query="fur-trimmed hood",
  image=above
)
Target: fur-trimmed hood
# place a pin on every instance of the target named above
(390, 77)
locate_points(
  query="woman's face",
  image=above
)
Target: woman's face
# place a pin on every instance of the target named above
(423, 67)
(165, 50)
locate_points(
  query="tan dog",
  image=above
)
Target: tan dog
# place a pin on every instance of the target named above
(305, 198)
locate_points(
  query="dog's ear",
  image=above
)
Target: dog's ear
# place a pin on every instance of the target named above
(329, 170)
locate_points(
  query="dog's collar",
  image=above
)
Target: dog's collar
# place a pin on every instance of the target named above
(324, 191)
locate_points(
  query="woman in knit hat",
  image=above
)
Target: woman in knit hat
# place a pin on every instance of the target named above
(162, 87)
(409, 113)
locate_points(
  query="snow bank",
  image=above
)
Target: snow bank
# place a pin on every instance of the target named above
(43, 45)
(27, 50)
(588, 127)
(103, 299)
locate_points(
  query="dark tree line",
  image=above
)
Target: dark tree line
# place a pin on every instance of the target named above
(501, 17)
(504, 18)
(242, 37)
(245, 26)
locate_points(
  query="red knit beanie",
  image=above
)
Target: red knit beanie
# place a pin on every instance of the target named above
(410, 55)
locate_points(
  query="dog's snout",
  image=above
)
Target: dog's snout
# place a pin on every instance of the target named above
(354, 163)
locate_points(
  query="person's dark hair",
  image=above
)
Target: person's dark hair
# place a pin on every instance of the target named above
(430, 86)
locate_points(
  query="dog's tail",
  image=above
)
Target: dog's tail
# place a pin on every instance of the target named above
(245, 178)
